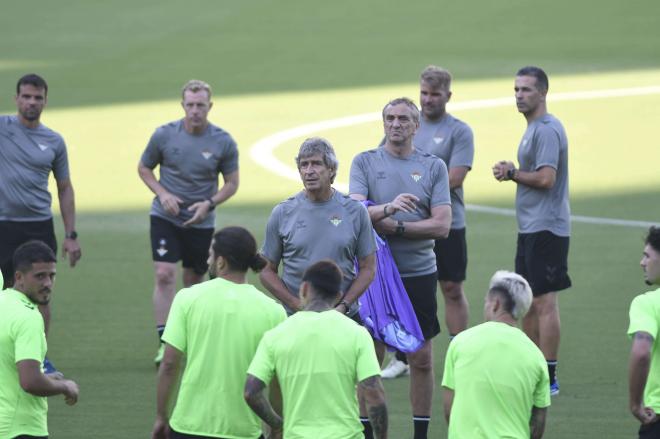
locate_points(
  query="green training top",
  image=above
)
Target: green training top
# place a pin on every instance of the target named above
(645, 316)
(21, 338)
(497, 374)
(318, 359)
(218, 325)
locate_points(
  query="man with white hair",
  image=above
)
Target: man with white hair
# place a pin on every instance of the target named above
(496, 381)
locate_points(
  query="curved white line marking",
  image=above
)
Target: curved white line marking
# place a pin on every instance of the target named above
(262, 151)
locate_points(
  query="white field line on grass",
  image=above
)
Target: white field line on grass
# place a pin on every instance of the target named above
(262, 152)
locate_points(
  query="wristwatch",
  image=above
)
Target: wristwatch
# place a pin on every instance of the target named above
(212, 204)
(511, 174)
(400, 228)
(73, 235)
(348, 307)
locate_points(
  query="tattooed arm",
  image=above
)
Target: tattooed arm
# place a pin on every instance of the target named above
(255, 398)
(638, 372)
(374, 395)
(537, 422)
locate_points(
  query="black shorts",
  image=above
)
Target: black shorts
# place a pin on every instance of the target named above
(651, 431)
(451, 256)
(15, 233)
(170, 243)
(542, 259)
(25, 436)
(177, 435)
(422, 293)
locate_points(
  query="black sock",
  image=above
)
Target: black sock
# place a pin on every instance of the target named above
(421, 424)
(401, 357)
(160, 329)
(368, 432)
(552, 370)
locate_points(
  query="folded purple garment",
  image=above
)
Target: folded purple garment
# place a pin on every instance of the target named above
(385, 308)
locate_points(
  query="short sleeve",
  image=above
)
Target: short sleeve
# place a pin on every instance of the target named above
(448, 374)
(542, 389)
(440, 185)
(642, 317)
(357, 183)
(229, 160)
(263, 364)
(366, 239)
(152, 155)
(547, 147)
(462, 153)
(30, 339)
(176, 329)
(272, 248)
(367, 363)
(61, 162)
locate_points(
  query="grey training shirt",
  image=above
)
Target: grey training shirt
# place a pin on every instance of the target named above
(189, 166)
(27, 156)
(301, 232)
(379, 176)
(544, 144)
(450, 139)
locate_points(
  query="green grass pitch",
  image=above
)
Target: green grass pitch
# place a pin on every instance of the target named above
(114, 71)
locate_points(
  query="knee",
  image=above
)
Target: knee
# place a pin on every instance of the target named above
(165, 277)
(422, 360)
(452, 290)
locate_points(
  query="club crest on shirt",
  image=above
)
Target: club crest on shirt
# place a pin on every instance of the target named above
(300, 224)
(335, 220)
(207, 154)
(162, 251)
(42, 146)
(416, 176)
(438, 140)
(381, 175)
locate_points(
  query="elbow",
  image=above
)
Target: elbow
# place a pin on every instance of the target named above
(442, 231)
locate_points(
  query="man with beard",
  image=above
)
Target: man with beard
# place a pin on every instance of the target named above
(23, 385)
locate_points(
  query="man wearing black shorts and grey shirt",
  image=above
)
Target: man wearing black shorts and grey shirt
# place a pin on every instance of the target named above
(318, 223)
(29, 151)
(412, 208)
(191, 153)
(542, 210)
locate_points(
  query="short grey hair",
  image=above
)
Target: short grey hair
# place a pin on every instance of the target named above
(319, 145)
(195, 85)
(515, 291)
(408, 103)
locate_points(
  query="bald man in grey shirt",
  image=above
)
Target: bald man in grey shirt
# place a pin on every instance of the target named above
(318, 223)
(191, 154)
(543, 212)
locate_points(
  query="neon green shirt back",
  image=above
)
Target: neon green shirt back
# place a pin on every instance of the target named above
(645, 316)
(21, 338)
(218, 325)
(318, 358)
(498, 374)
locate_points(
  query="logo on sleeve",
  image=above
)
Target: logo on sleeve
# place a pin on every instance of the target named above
(207, 154)
(335, 220)
(524, 142)
(416, 176)
(42, 147)
(162, 251)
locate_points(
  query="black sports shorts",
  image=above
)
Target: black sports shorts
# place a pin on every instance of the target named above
(542, 259)
(171, 243)
(451, 256)
(177, 435)
(651, 431)
(422, 293)
(15, 233)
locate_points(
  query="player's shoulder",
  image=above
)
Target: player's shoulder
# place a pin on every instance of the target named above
(647, 300)
(287, 205)
(369, 154)
(347, 202)
(458, 124)
(219, 133)
(168, 129)
(19, 307)
(7, 120)
(549, 123)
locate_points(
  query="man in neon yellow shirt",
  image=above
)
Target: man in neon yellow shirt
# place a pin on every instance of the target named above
(23, 386)
(318, 356)
(217, 326)
(644, 367)
(495, 376)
